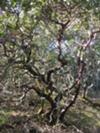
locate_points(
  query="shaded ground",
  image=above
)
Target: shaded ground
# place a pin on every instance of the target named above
(82, 118)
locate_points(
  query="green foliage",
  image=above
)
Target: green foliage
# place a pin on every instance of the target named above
(51, 45)
(4, 115)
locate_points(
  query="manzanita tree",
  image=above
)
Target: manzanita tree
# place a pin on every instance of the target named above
(44, 46)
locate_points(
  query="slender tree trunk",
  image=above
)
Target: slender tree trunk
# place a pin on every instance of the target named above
(63, 111)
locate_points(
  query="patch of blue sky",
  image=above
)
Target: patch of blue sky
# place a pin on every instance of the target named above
(53, 46)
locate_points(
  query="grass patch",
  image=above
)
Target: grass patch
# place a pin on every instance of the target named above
(4, 116)
(84, 117)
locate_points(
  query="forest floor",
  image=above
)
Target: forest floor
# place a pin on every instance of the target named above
(82, 118)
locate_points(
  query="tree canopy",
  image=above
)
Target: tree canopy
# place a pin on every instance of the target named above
(51, 47)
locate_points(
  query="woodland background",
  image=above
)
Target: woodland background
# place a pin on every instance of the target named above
(49, 66)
